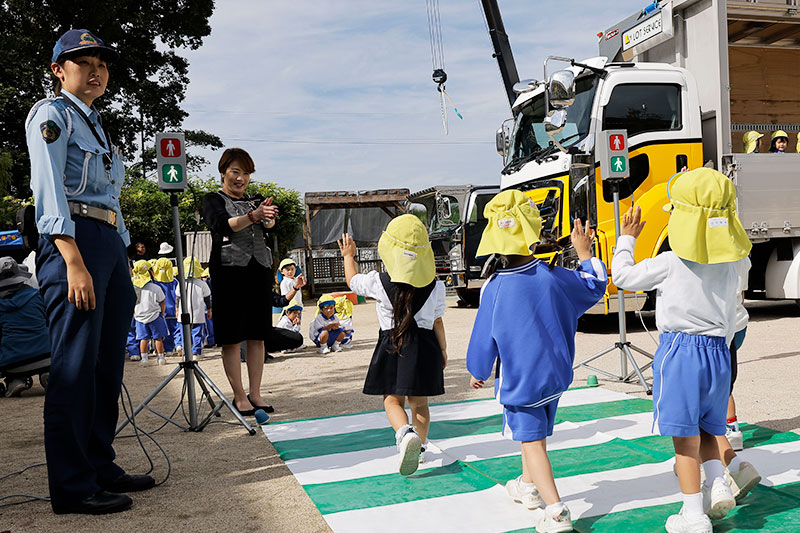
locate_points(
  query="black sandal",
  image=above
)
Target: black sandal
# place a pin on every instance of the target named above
(266, 408)
(246, 412)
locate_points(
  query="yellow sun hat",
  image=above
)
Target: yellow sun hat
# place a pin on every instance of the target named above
(162, 271)
(286, 262)
(192, 267)
(750, 141)
(513, 225)
(703, 225)
(141, 273)
(797, 146)
(779, 133)
(406, 251)
(293, 306)
(206, 273)
(325, 300)
(344, 307)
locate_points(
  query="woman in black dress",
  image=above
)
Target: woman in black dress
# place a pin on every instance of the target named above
(241, 267)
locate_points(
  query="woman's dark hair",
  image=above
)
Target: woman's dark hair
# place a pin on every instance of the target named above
(63, 59)
(402, 315)
(236, 155)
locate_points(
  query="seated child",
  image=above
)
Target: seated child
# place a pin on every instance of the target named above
(344, 310)
(24, 337)
(198, 298)
(325, 330)
(290, 318)
(149, 312)
(533, 369)
(696, 287)
(287, 331)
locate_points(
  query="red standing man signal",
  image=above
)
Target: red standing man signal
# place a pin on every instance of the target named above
(616, 142)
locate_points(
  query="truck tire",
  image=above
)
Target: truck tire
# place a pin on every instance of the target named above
(468, 297)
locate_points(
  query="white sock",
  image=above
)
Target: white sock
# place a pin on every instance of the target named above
(555, 508)
(713, 469)
(735, 465)
(400, 433)
(525, 484)
(693, 505)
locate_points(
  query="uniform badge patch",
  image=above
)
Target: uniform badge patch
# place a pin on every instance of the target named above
(50, 131)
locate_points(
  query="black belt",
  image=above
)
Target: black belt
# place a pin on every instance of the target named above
(107, 216)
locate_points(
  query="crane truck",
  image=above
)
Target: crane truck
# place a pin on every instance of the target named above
(686, 79)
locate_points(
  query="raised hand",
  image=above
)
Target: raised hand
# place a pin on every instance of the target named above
(582, 239)
(632, 223)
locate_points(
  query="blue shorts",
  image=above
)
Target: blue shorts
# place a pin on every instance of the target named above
(157, 329)
(691, 384)
(332, 336)
(529, 423)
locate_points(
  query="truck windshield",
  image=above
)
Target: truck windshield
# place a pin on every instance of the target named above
(529, 135)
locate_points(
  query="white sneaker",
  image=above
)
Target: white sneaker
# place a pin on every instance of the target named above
(145, 359)
(735, 438)
(529, 497)
(718, 499)
(179, 351)
(550, 523)
(337, 347)
(409, 446)
(743, 481)
(678, 523)
(324, 350)
(136, 357)
(162, 359)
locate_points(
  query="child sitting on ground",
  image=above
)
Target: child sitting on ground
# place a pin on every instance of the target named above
(290, 318)
(325, 330)
(696, 316)
(411, 353)
(198, 297)
(527, 295)
(149, 313)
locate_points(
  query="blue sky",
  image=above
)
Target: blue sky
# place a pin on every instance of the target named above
(329, 95)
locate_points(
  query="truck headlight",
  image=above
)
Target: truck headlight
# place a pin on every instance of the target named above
(456, 258)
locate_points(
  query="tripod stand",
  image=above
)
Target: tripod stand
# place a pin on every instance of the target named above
(191, 369)
(624, 345)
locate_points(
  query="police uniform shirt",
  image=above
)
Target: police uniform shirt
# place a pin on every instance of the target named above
(691, 297)
(67, 164)
(370, 285)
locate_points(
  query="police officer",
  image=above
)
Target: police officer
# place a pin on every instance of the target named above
(76, 177)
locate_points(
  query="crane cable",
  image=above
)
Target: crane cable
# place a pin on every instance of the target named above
(437, 59)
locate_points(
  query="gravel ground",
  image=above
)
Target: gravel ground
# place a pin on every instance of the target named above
(222, 479)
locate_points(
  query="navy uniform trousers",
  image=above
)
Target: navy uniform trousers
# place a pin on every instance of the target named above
(86, 362)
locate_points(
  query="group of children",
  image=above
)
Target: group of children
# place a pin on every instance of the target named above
(778, 143)
(157, 315)
(692, 369)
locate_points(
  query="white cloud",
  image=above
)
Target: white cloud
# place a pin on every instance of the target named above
(273, 75)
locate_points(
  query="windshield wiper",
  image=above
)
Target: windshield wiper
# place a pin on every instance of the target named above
(517, 163)
(552, 147)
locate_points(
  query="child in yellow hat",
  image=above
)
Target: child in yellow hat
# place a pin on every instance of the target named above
(149, 312)
(779, 142)
(325, 330)
(288, 272)
(409, 359)
(696, 314)
(198, 306)
(163, 277)
(526, 324)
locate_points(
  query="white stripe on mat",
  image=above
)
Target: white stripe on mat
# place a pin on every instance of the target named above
(439, 413)
(380, 461)
(586, 495)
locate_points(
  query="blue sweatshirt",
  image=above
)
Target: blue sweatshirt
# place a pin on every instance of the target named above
(23, 327)
(527, 318)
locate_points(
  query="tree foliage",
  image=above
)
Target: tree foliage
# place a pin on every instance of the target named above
(146, 86)
(148, 215)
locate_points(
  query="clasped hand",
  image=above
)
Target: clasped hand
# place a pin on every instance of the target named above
(266, 211)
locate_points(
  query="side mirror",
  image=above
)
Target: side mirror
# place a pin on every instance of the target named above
(554, 121)
(500, 141)
(561, 89)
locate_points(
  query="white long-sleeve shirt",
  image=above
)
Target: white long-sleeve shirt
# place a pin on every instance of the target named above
(742, 318)
(690, 297)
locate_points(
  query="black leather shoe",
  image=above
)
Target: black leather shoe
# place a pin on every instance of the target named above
(266, 408)
(129, 483)
(100, 503)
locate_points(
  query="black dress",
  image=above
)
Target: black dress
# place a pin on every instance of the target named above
(242, 295)
(417, 369)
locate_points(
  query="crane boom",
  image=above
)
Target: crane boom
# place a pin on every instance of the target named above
(502, 48)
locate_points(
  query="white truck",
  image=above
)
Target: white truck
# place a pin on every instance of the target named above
(686, 79)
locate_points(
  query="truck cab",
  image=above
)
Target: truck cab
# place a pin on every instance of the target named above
(454, 217)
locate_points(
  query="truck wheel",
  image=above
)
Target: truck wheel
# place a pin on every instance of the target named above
(468, 297)
(44, 378)
(2, 389)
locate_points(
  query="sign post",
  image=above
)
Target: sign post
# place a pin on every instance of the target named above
(171, 161)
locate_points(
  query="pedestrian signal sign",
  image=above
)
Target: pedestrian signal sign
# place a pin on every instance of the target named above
(171, 161)
(613, 155)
